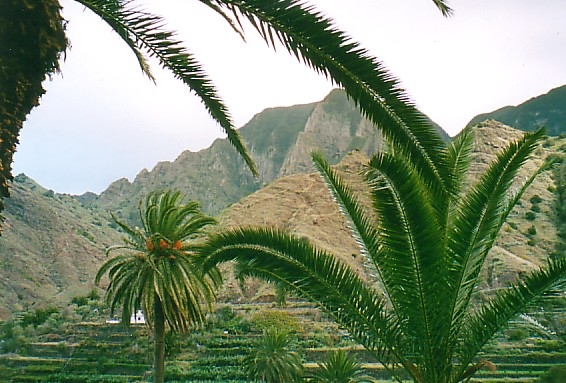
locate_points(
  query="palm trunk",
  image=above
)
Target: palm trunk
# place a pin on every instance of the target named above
(159, 345)
(32, 37)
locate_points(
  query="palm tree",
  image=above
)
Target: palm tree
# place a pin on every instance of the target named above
(155, 270)
(32, 39)
(272, 360)
(340, 367)
(426, 238)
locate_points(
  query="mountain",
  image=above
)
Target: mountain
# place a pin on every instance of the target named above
(53, 244)
(547, 110)
(50, 249)
(302, 205)
(280, 140)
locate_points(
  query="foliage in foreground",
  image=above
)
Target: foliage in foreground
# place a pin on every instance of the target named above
(426, 238)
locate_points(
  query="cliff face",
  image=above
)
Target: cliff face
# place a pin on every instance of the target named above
(280, 140)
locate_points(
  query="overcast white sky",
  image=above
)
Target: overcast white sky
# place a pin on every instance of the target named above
(103, 120)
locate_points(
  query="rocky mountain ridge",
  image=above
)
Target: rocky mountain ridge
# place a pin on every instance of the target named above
(280, 140)
(53, 244)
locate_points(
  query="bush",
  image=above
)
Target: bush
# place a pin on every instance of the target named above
(530, 216)
(266, 319)
(38, 316)
(556, 374)
(536, 199)
(532, 231)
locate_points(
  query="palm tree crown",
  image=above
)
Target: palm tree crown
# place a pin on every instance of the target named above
(155, 269)
(426, 248)
(340, 367)
(272, 360)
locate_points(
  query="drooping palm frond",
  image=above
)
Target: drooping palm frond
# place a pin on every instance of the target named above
(144, 32)
(315, 275)
(443, 6)
(314, 39)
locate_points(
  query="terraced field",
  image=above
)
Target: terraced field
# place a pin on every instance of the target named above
(96, 352)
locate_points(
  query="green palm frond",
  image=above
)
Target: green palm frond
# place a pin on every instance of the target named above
(361, 225)
(314, 40)
(144, 32)
(479, 219)
(313, 274)
(458, 159)
(480, 325)
(409, 234)
(443, 7)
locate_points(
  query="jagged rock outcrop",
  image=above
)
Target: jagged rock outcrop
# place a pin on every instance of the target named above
(280, 140)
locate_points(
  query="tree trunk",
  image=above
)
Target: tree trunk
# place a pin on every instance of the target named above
(32, 38)
(159, 343)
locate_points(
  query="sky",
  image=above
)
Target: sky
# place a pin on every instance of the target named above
(102, 119)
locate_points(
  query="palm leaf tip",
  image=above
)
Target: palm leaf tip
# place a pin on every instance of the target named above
(442, 5)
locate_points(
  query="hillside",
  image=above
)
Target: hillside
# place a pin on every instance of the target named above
(53, 244)
(547, 110)
(302, 204)
(51, 247)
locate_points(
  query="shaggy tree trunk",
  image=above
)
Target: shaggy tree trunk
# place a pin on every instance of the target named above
(159, 345)
(32, 37)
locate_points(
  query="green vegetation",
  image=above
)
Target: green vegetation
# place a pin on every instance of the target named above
(155, 270)
(527, 116)
(272, 359)
(425, 321)
(340, 368)
(67, 350)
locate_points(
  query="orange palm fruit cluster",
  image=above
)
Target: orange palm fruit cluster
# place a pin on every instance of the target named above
(177, 245)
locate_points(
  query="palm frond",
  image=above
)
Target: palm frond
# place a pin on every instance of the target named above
(143, 31)
(479, 219)
(313, 274)
(315, 40)
(411, 268)
(480, 325)
(361, 225)
(458, 158)
(443, 6)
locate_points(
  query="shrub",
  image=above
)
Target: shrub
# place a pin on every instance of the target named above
(532, 230)
(266, 319)
(530, 216)
(555, 374)
(536, 199)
